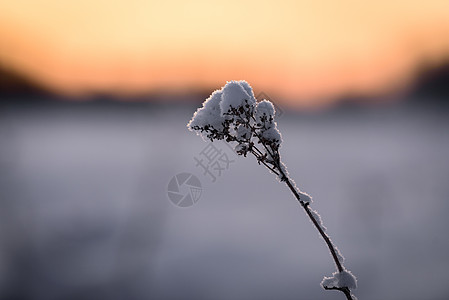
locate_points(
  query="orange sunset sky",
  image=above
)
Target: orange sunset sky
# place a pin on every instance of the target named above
(305, 52)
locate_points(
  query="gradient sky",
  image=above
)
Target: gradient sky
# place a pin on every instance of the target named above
(309, 52)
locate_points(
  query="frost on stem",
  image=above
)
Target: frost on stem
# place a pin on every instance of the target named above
(317, 217)
(234, 115)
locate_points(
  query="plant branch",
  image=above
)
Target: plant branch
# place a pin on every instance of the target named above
(323, 234)
(244, 117)
(264, 163)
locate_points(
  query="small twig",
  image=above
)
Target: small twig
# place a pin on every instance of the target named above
(344, 290)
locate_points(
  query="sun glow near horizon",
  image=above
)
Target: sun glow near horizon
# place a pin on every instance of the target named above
(308, 52)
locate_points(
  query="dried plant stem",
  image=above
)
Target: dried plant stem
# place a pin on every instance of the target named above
(278, 170)
(232, 115)
(323, 234)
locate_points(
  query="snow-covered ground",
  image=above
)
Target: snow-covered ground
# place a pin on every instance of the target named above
(84, 212)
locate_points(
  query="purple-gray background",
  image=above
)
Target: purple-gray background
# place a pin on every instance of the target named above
(84, 212)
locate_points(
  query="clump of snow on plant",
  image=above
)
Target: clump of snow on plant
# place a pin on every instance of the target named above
(340, 280)
(271, 134)
(209, 114)
(266, 108)
(303, 197)
(248, 89)
(265, 119)
(234, 94)
(306, 198)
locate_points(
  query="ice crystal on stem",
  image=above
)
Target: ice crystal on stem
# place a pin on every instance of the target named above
(234, 115)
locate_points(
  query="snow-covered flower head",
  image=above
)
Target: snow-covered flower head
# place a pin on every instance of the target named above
(232, 113)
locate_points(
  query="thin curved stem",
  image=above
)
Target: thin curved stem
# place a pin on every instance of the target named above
(323, 234)
(314, 221)
(306, 207)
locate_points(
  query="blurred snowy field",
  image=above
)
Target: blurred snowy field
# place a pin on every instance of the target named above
(84, 212)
